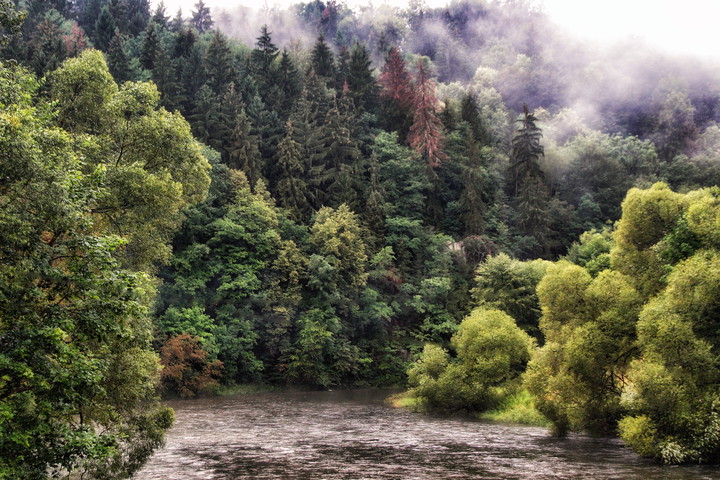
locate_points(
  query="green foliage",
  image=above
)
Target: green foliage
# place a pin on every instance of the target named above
(510, 286)
(77, 372)
(491, 354)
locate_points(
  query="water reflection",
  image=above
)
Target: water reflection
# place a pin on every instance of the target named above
(353, 435)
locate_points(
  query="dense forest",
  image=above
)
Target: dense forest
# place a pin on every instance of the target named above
(460, 199)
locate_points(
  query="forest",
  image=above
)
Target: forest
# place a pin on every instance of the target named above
(460, 200)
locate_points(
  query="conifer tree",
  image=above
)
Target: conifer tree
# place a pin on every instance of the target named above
(150, 47)
(288, 83)
(322, 60)
(360, 80)
(117, 59)
(291, 189)
(165, 77)
(138, 16)
(201, 19)
(104, 30)
(396, 91)
(526, 151)
(425, 135)
(160, 16)
(219, 63)
(178, 22)
(243, 152)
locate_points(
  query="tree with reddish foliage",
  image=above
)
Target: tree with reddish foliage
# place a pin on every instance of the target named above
(425, 135)
(187, 370)
(396, 91)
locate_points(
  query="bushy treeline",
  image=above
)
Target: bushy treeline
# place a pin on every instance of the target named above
(357, 209)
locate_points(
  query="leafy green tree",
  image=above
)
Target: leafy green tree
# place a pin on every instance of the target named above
(589, 328)
(76, 366)
(491, 354)
(151, 161)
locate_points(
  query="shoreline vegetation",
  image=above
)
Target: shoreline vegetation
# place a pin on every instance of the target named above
(458, 200)
(518, 409)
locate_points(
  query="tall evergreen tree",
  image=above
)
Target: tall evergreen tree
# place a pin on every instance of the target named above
(117, 59)
(425, 135)
(291, 189)
(104, 30)
(322, 60)
(396, 91)
(243, 151)
(526, 151)
(360, 80)
(150, 47)
(201, 19)
(219, 63)
(160, 16)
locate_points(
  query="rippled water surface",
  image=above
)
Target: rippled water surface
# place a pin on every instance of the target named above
(353, 435)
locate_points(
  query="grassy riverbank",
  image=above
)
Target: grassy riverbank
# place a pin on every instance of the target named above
(519, 408)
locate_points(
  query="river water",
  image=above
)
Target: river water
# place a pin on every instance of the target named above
(354, 435)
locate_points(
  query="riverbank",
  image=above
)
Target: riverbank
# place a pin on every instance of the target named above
(517, 409)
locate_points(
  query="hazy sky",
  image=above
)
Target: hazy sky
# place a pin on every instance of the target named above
(679, 26)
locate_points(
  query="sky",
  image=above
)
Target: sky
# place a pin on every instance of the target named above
(676, 26)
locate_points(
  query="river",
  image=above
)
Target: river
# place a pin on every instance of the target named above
(354, 435)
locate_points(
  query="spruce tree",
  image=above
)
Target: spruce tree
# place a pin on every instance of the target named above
(150, 47)
(322, 60)
(396, 92)
(160, 16)
(425, 135)
(105, 28)
(219, 63)
(243, 151)
(360, 80)
(291, 189)
(201, 19)
(117, 59)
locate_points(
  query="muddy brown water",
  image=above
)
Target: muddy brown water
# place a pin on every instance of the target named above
(354, 435)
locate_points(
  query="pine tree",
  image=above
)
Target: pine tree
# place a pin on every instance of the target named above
(472, 202)
(178, 22)
(526, 151)
(360, 80)
(243, 150)
(288, 83)
(138, 16)
(425, 135)
(219, 63)
(105, 28)
(291, 189)
(396, 92)
(160, 16)
(89, 14)
(165, 77)
(322, 60)
(470, 112)
(150, 47)
(117, 59)
(201, 19)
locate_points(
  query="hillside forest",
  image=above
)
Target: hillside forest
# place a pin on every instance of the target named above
(461, 200)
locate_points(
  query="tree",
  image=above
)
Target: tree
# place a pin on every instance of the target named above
(291, 190)
(201, 19)
(77, 369)
(526, 152)
(150, 47)
(396, 89)
(425, 135)
(151, 161)
(219, 63)
(322, 60)
(243, 150)
(187, 370)
(104, 29)
(491, 354)
(11, 19)
(360, 80)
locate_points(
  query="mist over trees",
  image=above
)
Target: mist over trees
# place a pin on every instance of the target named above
(334, 197)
